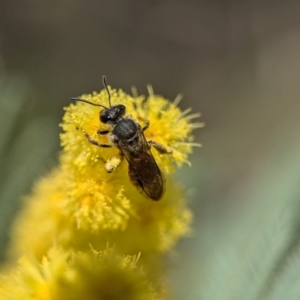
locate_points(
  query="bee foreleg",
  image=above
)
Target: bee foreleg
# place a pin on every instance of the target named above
(113, 163)
(94, 142)
(146, 121)
(160, 148)
(102, 132)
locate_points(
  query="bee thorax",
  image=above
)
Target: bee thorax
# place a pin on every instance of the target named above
(125, 130)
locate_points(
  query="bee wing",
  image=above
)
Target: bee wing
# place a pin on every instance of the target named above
(143, 170)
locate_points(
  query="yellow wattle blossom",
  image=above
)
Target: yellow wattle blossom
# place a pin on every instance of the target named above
(169, 126)
(68, 275)
(73, 215)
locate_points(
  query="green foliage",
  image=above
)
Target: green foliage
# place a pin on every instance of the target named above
(26, 143)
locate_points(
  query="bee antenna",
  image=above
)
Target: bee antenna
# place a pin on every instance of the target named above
(105, 85)
(86, 101)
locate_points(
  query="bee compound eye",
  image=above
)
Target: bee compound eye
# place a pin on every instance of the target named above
(105, 116)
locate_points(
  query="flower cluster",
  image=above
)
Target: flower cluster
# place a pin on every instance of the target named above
(79, 206)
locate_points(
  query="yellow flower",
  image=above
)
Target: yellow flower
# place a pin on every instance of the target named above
(169, 126)
(76, 275)
(77, 212)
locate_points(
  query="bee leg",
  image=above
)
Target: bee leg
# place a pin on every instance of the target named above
(94, 142)
(113, 163)
(102, 132)
(160, 148)
(146, 121)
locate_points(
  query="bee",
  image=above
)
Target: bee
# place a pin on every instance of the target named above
(128, 136)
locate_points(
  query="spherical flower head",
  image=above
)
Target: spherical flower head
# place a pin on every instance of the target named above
(75, 275)
(70, 213)
(169, 126)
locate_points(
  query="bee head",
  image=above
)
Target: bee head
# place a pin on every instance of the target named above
(113, 114)
(108, 115)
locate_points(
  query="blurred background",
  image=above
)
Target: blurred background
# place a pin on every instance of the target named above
(235, 61)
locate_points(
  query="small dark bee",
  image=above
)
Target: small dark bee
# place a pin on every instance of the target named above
(128, 136)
